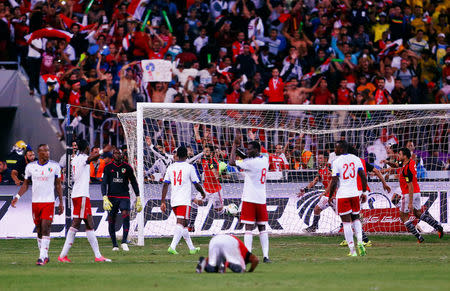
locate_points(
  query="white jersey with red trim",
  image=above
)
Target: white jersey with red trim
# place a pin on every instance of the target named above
(81, 176)
(255, 172)
(43, 179)
(229, 246)
(346, 167)
(180, 175)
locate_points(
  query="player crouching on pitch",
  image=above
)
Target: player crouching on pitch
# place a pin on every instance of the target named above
(227, 251)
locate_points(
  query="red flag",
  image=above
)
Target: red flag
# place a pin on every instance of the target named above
(136, 8)
(49, 33)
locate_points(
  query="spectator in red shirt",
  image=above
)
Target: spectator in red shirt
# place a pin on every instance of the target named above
(344, 97)
(275, 89)
(322, 95)
(381, 95)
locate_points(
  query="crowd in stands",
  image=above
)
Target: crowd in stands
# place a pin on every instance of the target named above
(246, 51)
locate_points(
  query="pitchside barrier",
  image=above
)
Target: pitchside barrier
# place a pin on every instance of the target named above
(288, 214)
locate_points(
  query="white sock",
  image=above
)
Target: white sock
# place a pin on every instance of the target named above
(45, 244)
(357, 227)
(177, 236)
(348, 233)
(69, 241)
(264, 238)
(39, 240)
(94, 243)
(248, 240)
(188, 239)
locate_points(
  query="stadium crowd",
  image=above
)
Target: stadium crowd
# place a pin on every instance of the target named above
(246, 51)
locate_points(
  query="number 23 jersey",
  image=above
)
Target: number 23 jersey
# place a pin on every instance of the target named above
(180, 175)
(346, 167)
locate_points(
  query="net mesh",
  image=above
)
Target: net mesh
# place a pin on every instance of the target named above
(299, 144)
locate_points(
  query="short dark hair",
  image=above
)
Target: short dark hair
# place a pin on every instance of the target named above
(352, 150)
(255, 145)
(82, 145)
(343, 144)
(182, 152)
(210, 147)
(41, 145)
(406, 152)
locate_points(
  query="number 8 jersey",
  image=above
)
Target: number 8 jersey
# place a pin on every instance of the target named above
(346, 167)
(255, 172)
(180, 175)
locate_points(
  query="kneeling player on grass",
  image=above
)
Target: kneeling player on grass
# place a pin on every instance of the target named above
(81, 203)
(254, 207)
(116, 196)
(180, 175)
(410, 199)
(345, 171)
(227, 251)
(45, 177)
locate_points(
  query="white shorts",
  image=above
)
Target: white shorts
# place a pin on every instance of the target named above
(215, 197)
(227, 247)
(404, 201)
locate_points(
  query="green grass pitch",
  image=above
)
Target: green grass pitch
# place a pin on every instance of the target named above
(309, 263)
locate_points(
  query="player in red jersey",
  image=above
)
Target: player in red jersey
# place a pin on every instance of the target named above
(211, 185)
(324, 176)
(227, 251)
(45, 177)
(410, 200)
(277, 160)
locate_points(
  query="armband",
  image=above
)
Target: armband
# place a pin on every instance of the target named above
(17, 196)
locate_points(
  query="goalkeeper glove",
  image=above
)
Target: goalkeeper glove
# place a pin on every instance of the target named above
(107, 205)
(138, 205)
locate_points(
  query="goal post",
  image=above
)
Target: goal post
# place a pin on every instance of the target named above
(306, 134)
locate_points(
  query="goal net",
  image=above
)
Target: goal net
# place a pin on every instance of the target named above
(299, 141)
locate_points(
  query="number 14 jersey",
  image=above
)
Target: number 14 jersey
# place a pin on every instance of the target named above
(180, 175)
(346, 167)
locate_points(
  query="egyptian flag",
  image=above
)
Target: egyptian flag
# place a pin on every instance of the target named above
(392, 48)
(49, 33)
(137, 8)
(69, 22)
(282, 19)
(324, 67)
(308, 76)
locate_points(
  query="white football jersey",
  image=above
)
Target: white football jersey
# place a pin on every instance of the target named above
(346, 167)
(43, 179)
(180, 175)
(81, 176)
(255, 172)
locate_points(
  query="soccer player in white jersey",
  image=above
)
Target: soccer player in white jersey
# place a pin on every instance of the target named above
(45, 176)
(227, 251)
(180, 175)
(82, 203)
(345, 171)
(254, 207)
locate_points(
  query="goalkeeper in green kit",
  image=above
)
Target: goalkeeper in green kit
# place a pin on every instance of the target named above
(116, 196)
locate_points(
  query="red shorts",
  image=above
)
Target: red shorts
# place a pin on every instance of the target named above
(252, 212)
(42, 211)
(182, 211)
(81, 207)
(348, 205)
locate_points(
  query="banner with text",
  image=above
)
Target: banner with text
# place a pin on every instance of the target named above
(288, 214)
(156, 71)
